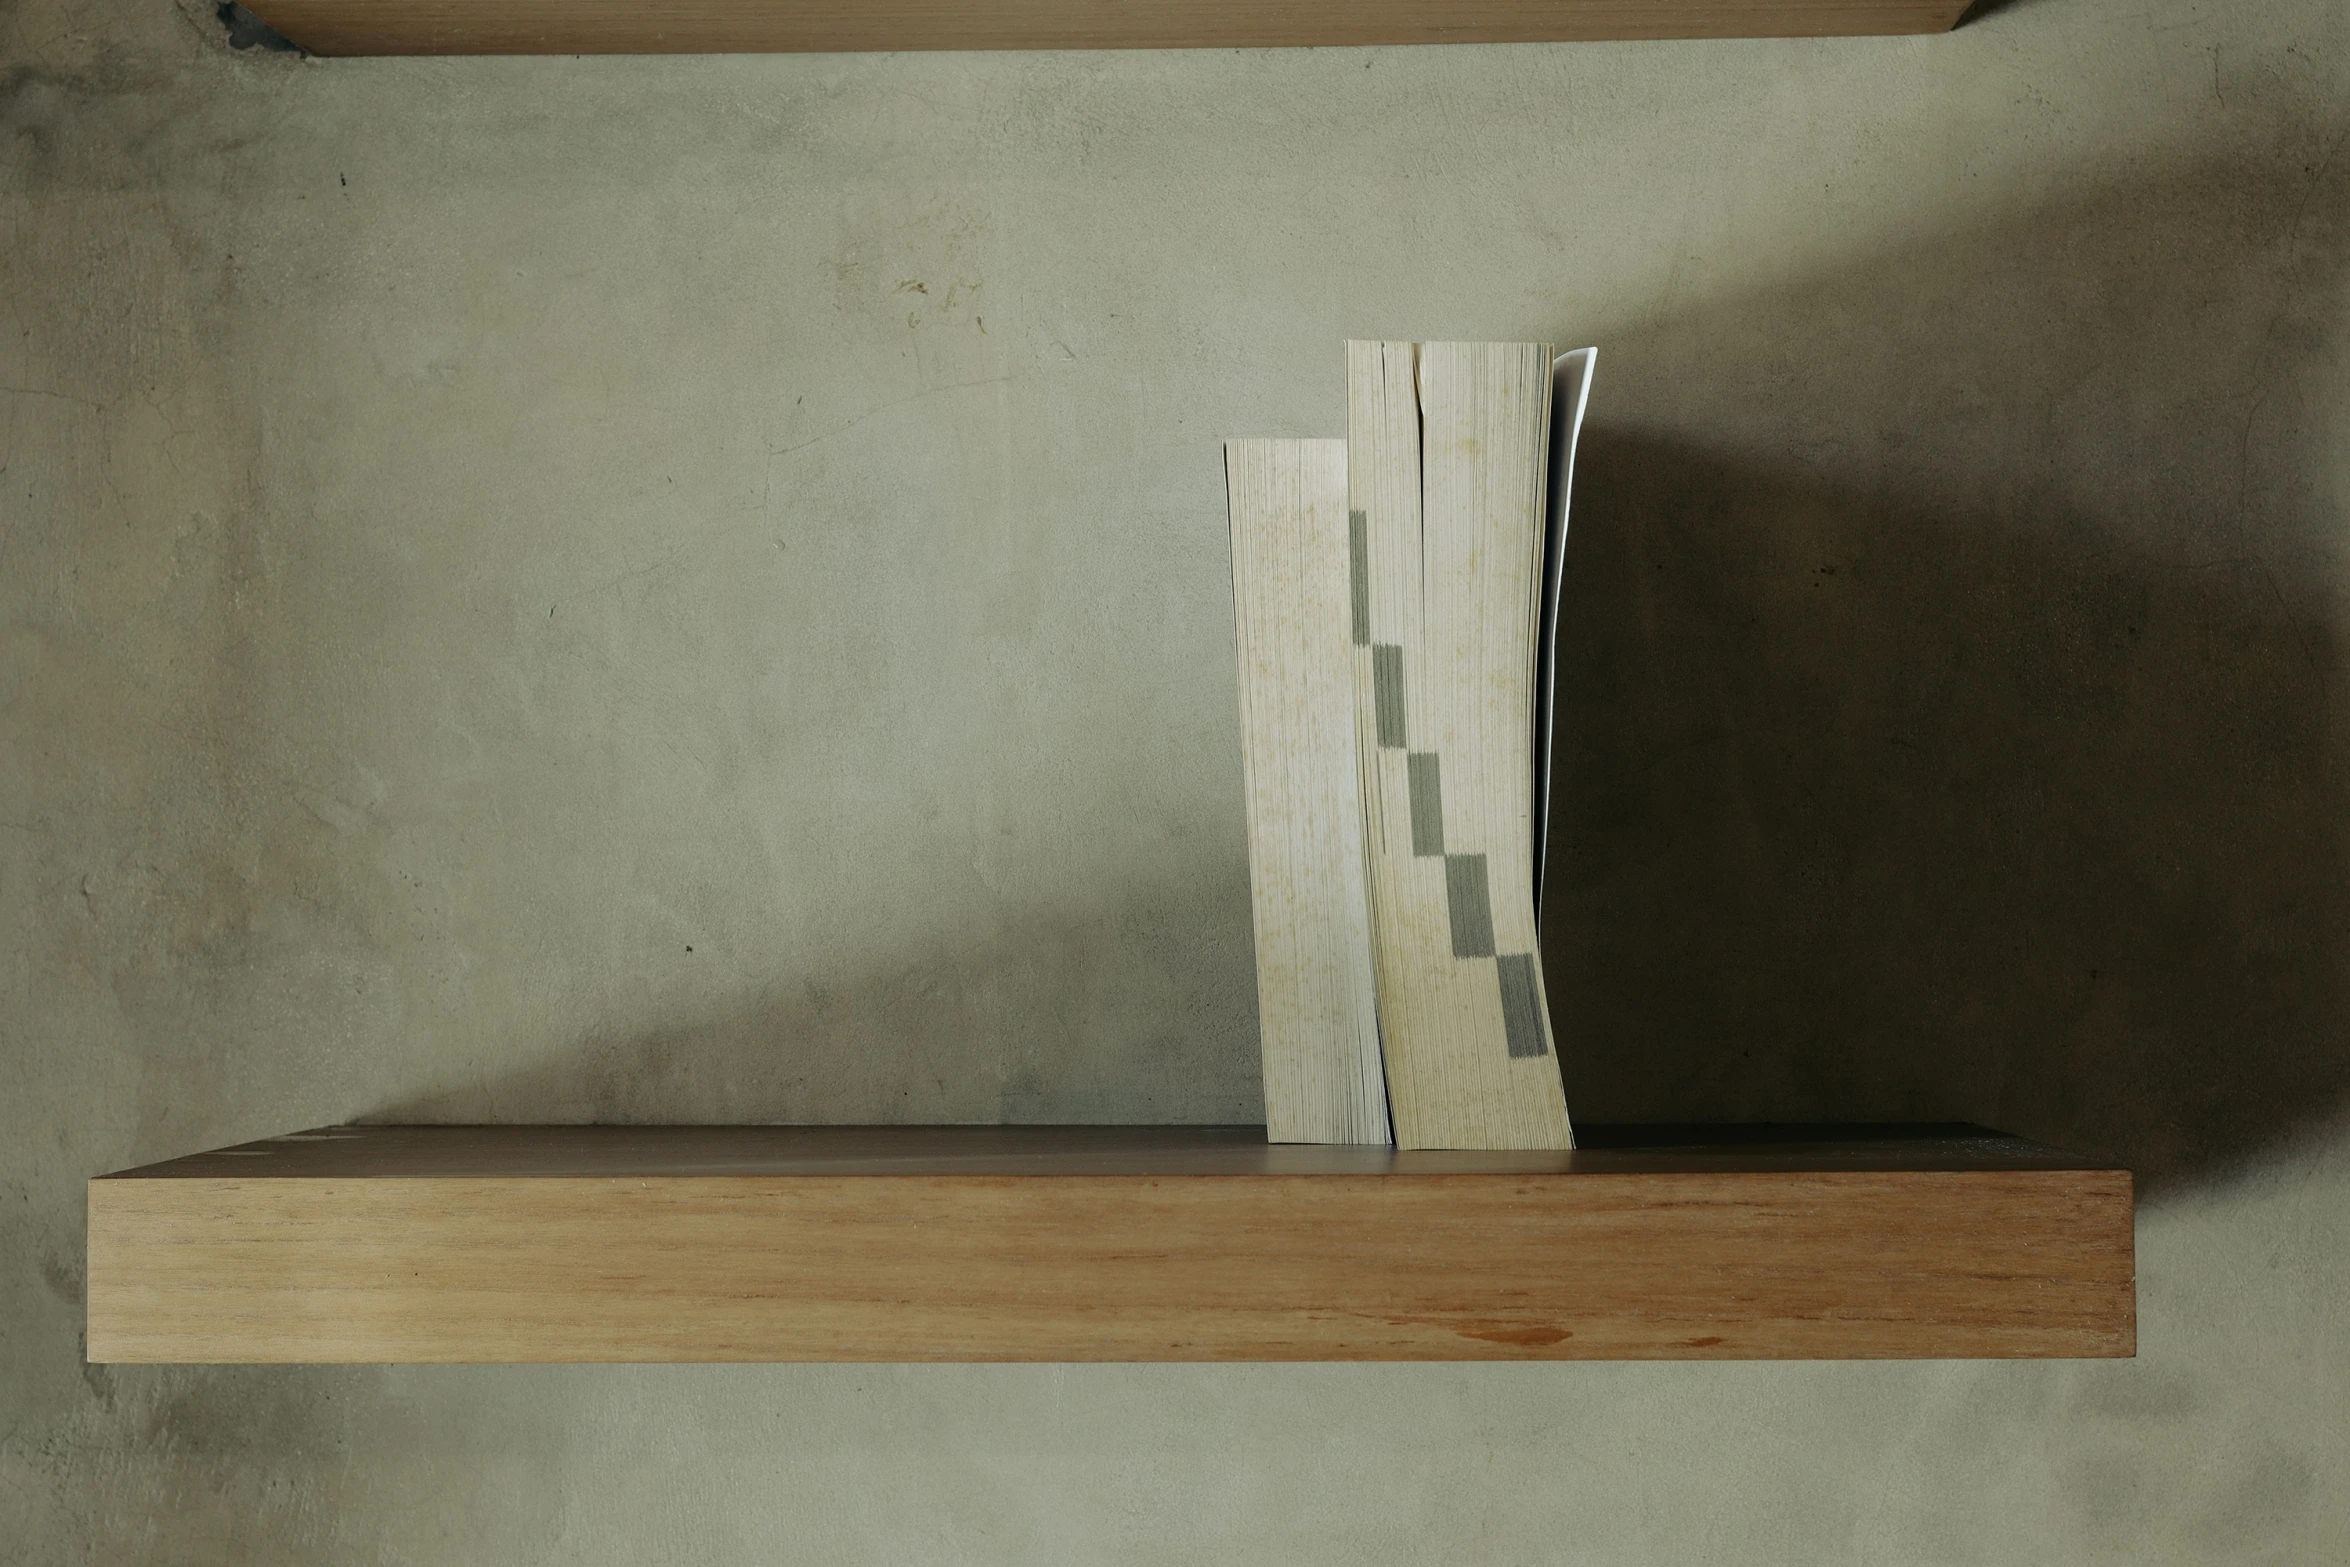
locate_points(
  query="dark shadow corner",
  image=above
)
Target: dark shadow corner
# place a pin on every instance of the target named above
(247, 31)
(1985, 8)
(1948, 688)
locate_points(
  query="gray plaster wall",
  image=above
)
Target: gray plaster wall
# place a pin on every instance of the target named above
(697, 589)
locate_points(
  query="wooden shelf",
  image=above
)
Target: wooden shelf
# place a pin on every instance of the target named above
(363, 27)
(544, 1243)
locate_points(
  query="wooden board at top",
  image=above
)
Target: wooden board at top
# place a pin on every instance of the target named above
(1104, 1243)
(378, 27)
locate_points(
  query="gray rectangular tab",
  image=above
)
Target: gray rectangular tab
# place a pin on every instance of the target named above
(1387, 692)
(1358, 555)
(1521, 1006)
(1469, 902)
(1427, 802)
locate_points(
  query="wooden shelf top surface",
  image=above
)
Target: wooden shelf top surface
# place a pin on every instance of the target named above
(421, 1152)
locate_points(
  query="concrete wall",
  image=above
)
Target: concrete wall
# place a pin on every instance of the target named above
(696, 589)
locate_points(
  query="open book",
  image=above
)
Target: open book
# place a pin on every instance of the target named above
(1454, 476)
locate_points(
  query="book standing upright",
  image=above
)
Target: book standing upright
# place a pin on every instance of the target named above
(1419, 634)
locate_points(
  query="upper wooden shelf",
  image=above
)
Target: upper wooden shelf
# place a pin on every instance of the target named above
(538, 1243)
(365, 27)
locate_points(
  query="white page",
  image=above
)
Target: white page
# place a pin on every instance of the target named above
(1570, 390)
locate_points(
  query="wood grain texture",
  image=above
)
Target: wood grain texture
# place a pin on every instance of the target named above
(839, 1244)
(374, 27)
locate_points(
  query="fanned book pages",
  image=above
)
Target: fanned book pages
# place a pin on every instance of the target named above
(1450, 452)
(1570, 394)
(1290, 591)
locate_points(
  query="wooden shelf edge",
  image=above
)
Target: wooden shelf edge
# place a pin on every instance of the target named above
(381, 1244)
(418, 27)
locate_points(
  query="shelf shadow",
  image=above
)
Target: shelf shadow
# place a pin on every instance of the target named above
(1983, 9)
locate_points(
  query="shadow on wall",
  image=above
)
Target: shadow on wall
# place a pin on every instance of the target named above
(1985, 8)
(1951, 670)
(1141, 1012)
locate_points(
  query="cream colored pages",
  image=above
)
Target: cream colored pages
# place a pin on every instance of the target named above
(1449, 446)
(1316, 1004)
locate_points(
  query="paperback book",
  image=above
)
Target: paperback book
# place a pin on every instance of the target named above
(1396, 597)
